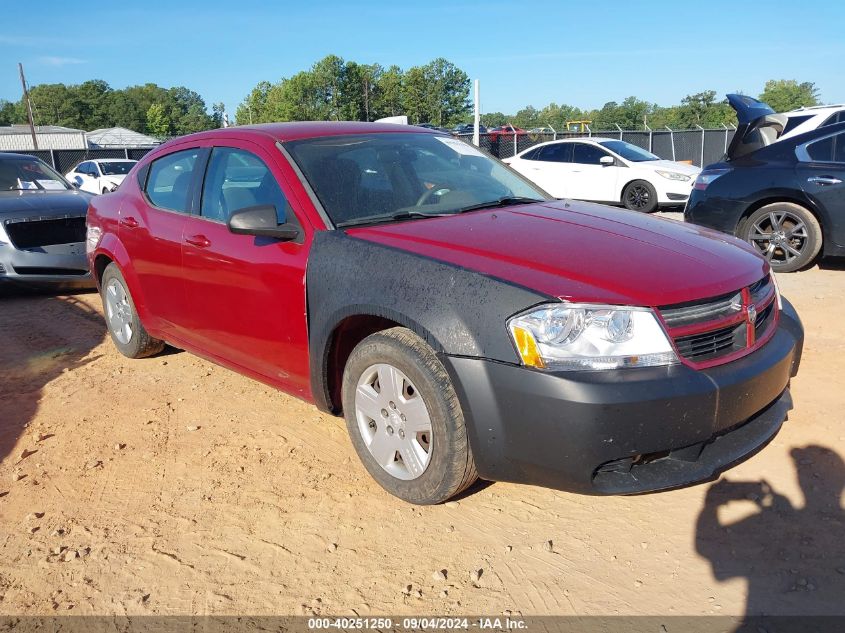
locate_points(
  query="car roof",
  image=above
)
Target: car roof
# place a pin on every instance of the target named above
(813, 110)
(15, 155)
(303, 129)
(113, 160)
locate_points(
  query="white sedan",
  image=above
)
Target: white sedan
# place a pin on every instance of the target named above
(100, 176)
(606, 170)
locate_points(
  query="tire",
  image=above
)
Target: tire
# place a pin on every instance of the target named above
(639, 195)
(126, 330)
(424, 458)
(785, 233)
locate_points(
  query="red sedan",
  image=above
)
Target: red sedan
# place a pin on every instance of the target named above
(464, 323)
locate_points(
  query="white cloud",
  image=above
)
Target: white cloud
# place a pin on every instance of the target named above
(50, 60)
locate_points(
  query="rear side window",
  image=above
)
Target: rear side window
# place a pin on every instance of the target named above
(531, 154)
(794, 121)
(833, 118)
(587, 154)
(237, 179)
(557, 153)
(169, 182)
(827, 150)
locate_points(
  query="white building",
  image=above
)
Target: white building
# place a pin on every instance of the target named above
(18, 138)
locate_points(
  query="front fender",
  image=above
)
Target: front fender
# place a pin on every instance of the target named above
(459, 312)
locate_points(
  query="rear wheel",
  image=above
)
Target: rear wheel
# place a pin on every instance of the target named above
(127, 332)
(786, 234)
(639, 195)
(404, 418)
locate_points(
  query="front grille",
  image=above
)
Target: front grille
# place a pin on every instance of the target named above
(687, 314)
(722, 326)
(26, 234)
(712, 344)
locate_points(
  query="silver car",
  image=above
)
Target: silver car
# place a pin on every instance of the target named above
(42, 224)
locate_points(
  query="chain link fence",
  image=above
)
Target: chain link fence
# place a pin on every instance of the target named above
(63, 160)
(700, 147)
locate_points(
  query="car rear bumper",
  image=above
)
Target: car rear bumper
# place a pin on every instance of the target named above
(626, 431)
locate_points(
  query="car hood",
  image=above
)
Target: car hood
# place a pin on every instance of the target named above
(24, 204)
(580, 251)
(668, 165)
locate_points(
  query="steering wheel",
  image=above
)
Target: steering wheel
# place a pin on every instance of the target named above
(426, 196)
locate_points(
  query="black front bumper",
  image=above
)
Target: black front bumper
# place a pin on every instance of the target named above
(626, 431)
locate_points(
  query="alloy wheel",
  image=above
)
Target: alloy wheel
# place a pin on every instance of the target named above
(638, 197)
(779, 236)
(393, 421)
(119, 311)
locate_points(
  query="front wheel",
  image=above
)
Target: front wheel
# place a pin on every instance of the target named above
(639, 195)
(404, 418)
(127, 332)
(786, 234)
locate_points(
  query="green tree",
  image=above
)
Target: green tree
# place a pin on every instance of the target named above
(787, 94)
(389, 93)
(11, 113)
(158, 123)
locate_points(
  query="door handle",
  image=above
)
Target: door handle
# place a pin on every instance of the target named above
(200, 241)
(824, 180)
(129, 222)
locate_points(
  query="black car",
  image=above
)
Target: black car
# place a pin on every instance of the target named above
(785, 197)
(42, 224)
(468, 128)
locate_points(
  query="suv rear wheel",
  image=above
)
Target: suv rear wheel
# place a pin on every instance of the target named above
(786, 234)
(405, 420)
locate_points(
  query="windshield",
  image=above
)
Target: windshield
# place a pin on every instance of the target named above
(629, 152)
(22, 174)
(116, 168)
(375, 177)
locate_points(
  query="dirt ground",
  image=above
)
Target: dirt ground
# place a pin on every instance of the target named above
(173, 486)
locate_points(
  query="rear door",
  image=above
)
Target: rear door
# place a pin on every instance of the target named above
(590, 179)
(821, 172)
(550, 167)
(246, 294)
(150, 228)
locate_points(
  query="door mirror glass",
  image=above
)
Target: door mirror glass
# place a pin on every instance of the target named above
(607, 161)
(263, 221)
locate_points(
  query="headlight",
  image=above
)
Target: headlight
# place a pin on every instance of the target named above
(673, 175)
(574, 336)
(92, 238)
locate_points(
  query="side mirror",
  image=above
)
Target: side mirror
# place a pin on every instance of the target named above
(76, 182)
(261, 220)
(607, 161)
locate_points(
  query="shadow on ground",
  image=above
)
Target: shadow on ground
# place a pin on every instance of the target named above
(792, 558)
(42, 335)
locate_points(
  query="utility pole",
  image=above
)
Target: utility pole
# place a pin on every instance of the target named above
(28, 108)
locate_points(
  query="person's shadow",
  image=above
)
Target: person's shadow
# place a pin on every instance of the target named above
(792, 557)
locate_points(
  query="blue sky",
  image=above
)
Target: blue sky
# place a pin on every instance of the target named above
(580, 53)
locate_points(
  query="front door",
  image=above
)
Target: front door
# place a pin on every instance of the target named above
(590, 179)
(821, 172)
(246, 294)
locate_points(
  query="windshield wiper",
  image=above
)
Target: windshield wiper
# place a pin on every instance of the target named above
(501, 202)
(404, 215)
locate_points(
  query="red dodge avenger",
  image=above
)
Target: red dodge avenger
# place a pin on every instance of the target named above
(463, 322)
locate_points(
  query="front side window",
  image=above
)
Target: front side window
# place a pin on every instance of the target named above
(587, 154)
(237, 179)
(402, 176)
(834, 118)
(116, 168)
(22, 174)
(170, 178)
